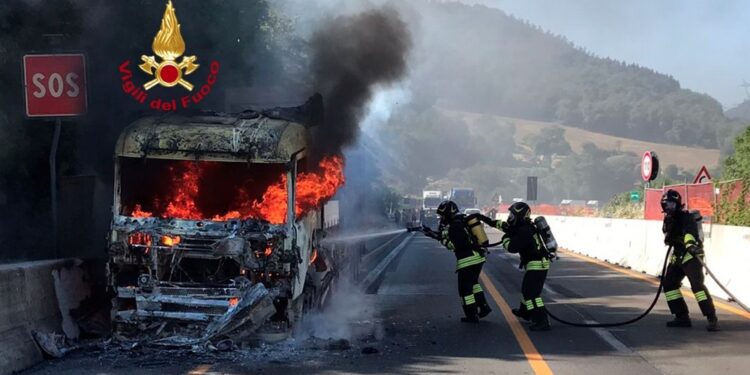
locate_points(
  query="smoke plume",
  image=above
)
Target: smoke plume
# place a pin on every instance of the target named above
(351, 56)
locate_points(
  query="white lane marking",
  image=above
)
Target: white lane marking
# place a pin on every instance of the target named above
(604, 334)
(607, 336)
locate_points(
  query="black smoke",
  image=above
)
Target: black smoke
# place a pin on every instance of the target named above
(352, 56)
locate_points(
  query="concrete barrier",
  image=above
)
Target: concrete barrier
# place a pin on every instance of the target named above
(31, 296)
(639, 245)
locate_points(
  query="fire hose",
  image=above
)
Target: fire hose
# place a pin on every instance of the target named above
(656, 298)
(732, 298)
(626, 322)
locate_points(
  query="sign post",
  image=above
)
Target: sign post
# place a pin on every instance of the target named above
(531, 189)
(55, 87)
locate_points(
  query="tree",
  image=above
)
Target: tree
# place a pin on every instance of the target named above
(738, 165)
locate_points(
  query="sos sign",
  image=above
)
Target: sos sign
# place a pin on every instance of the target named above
(55, 85)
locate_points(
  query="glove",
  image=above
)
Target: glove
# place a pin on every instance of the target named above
(695, 250)
(504, 226)
(429, 233)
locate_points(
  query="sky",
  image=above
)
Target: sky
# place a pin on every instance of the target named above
(704, 44)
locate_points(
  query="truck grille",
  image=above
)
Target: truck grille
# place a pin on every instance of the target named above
(198, 243)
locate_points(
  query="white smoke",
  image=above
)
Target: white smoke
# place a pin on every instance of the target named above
(349, 314)
(383, 104)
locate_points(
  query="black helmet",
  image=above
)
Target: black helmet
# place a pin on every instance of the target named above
(518, 212)
(671, 202)
(447, 209)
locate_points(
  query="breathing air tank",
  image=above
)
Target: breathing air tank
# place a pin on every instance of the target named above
(477, 229)
(698, 218)
(546, 233)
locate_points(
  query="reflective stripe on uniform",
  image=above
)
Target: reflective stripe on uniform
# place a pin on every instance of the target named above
(477, 289)
(469, 261)
(701, 296)
(538, 301)
(689, 239)
(673, 294)
(506, 243)
(529, 305)
(687, 257)
(469, 300)
(538, 265)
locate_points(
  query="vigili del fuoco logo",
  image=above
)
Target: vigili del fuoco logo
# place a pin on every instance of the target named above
(165, 70)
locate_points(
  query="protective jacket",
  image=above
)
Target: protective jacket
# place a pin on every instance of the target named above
(681, 232)
(455, 235)
(524, 240)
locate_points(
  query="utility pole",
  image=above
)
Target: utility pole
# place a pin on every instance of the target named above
(53, 184)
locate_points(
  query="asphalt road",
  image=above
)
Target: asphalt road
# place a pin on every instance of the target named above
(412, 321)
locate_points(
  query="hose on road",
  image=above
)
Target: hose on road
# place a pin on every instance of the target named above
(637, 318)
(732, 298)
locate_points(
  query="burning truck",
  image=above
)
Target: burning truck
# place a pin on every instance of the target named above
(216, 229)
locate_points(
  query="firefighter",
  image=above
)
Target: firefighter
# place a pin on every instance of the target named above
(681, 232)
(453, 232)
(520, 236)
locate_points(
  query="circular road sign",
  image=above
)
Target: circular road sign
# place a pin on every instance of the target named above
(649, 166)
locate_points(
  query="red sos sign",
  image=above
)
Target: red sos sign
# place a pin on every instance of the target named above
(55, 85)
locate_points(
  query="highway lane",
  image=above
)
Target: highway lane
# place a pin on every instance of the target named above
(416, 329)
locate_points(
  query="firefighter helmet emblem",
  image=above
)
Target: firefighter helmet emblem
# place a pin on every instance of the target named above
(169, 45)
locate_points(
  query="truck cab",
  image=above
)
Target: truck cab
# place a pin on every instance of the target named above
(208, 237)
(464, 198)
(430, 201)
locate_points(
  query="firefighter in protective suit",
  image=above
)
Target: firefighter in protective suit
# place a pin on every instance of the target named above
(520, 236)
(681, 232)
(454, 234)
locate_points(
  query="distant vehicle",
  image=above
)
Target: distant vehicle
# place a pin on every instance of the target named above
(430, 201)
(464, 198)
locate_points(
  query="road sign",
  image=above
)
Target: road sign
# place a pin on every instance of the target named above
(531, 188)
(649, 166)
(635, 196)
(55, 85)
(703, 176)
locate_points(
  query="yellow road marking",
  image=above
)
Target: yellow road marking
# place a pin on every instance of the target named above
(652, 280)
(200, 370)
(537, 362)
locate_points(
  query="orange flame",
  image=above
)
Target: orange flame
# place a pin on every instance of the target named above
(313, 189)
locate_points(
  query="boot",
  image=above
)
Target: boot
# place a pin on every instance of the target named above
(540, 325)
(682, 321)
(540, 321)
(713, 324)
(471, 314)
(521, 312)
(484, 310)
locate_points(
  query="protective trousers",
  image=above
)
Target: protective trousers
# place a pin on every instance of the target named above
(532, 306)
(471, 292)
(676, 272)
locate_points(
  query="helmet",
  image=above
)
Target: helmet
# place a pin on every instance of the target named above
(518, 212)
(671, 202)
(447, 209)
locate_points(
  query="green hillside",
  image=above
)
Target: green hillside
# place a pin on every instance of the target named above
(688, 158)
(479, 59)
